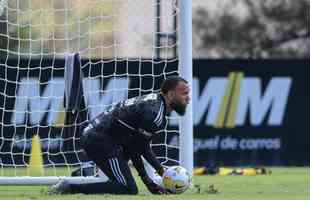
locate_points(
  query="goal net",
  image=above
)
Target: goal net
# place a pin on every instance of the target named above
(120, 48)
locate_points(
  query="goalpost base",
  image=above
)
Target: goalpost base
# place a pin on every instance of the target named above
(48, 180)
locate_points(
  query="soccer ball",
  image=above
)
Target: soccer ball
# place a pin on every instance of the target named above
(177, 179)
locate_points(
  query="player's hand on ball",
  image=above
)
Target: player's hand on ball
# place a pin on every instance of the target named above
(153, 187)
(156, 189)
(161, 171)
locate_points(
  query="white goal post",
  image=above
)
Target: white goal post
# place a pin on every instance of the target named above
(116, 43)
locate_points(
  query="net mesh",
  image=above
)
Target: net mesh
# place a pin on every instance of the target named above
(121, 57)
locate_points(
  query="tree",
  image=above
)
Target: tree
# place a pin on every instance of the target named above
(253, 29)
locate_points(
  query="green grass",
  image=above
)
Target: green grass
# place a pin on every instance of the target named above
(282, 184)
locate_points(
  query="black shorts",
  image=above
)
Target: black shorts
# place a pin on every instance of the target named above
(109, 157)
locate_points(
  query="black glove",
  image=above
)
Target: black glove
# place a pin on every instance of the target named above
(153, 187)
(161, 171)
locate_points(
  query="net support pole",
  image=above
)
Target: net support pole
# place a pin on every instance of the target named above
(186, 71)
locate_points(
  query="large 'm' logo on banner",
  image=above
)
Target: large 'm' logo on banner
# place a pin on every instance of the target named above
(228, 102)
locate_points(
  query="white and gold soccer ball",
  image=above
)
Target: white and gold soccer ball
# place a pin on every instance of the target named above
(177, 179)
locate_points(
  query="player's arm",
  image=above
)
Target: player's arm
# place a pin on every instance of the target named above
(153, 121)
(149, 155)
(149, 183)
(142, 146)
(139, 165)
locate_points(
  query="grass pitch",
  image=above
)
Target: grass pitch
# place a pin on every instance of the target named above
(282, 184)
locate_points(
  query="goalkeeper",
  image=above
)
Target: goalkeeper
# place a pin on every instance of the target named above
(124, 132)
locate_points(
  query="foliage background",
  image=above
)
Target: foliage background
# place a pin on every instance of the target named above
(221, 28)
(251, 29)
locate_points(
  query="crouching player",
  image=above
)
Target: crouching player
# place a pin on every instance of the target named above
(124, 132)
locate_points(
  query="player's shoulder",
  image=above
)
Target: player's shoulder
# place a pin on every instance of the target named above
(151, 97)
(151, 101)
(148, 98)
(149, 105)
(153, 108)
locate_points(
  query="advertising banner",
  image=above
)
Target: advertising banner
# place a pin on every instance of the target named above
(251, 112)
